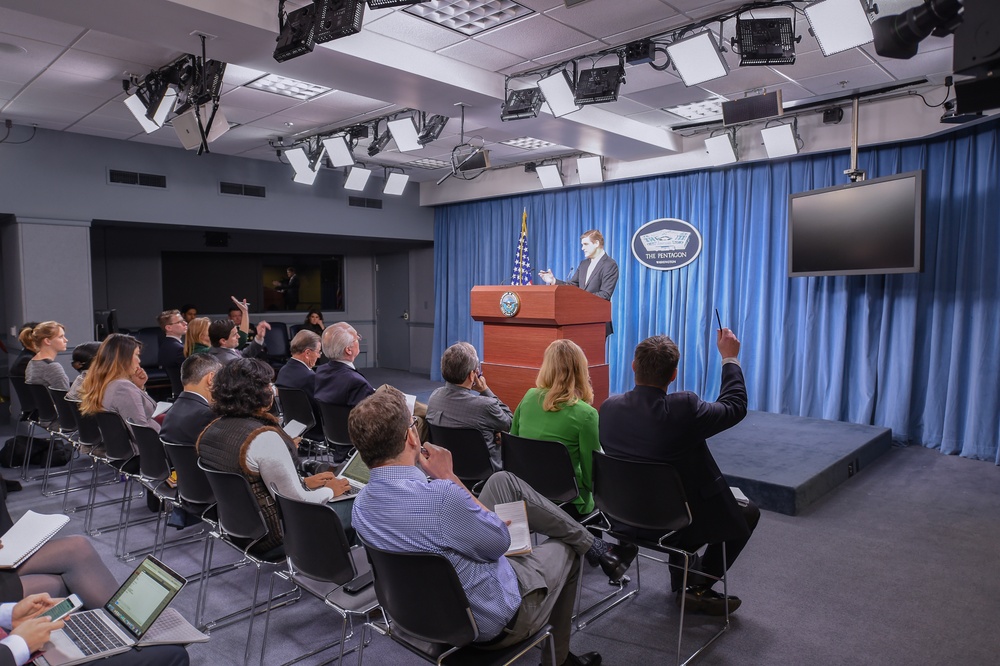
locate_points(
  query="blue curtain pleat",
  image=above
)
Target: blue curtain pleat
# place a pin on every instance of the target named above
(917, 353)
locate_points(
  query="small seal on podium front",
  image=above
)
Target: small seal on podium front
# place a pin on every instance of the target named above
(509, 304)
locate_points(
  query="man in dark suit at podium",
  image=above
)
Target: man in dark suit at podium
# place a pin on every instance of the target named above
(597, 273)
(647, 424)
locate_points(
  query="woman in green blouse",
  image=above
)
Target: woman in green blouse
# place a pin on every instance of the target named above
(559, 409)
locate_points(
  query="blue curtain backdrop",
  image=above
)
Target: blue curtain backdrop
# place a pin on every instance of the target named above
(917, 353)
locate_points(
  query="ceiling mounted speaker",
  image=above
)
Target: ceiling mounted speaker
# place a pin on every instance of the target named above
(753, 108)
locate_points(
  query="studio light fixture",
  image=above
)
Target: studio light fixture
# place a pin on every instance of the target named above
(151, 113)
(721, 149)
(305, 164)
(382, 4)
(338, 149)
(188, 126)
(839, 25)
(405, 134)
(590, 169)
(520, 104)
(357, 179)
(338, 18)
(296, 31)
(379, 141)
(697, 58)
(549, 176)
(558, 91)
(780, 141)
(395, 183)
(599, 85)
(432, 128)
(769, 41)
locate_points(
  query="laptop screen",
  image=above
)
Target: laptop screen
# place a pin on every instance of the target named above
(141, 599)
(356, 470)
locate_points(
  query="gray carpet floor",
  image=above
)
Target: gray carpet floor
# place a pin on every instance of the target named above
(896, 566)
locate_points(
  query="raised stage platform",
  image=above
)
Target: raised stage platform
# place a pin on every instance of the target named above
(785, 463)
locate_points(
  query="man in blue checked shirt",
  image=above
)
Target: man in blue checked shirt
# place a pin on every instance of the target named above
(403, 510)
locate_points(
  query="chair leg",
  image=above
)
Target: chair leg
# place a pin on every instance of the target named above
(253, 614)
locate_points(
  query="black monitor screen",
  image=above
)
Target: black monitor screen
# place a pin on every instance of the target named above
(873, 226)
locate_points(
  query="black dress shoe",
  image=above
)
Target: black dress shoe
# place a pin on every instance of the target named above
(706, 601)
(617, 559)
(588, 659)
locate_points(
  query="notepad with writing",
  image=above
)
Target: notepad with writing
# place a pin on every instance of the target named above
(520, 535)
(28, 535)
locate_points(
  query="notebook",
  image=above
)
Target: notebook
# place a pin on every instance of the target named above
(123, 621)
(356, 473)
(27, 535)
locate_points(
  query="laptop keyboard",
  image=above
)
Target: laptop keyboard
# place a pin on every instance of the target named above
(90, 634)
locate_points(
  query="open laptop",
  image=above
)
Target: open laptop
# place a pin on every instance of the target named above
(118, 626)
(356, 473)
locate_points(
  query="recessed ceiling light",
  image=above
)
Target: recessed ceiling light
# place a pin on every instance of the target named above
(281, 85)
(469, 17)
(428, 163)
(709, 108)
(527, 143)
(12, 49)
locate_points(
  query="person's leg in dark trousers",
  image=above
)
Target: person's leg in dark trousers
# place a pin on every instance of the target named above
(711, 561)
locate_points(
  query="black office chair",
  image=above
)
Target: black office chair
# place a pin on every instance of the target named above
(469, 455)
(295, 405)
(338, 437)
(70, 428)
(443, 632)
(58, 430)
(544, 465)
(321, 562)
(649, 497)
(90, 443)
(120, 455)
(158, 381)
(241, 527)
(276, 342)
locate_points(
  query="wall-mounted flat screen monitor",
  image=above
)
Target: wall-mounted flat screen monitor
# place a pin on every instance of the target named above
(873, 226)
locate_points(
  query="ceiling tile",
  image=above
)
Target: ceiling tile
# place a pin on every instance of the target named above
(481, 55)
(96, 66)
(534, 36)
(602, 18)
(258, 100)
(646, 30)
(851, 79)
(670, 95)
(23, 67)
(113, 46)
(39, 28)
(644, 77)
(575, 52)
(414, 30)
(744, 79)
(934, 65)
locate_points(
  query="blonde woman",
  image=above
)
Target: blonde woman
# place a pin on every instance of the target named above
(558, 409)
(50, 339)
(197, 341)
(115, 382)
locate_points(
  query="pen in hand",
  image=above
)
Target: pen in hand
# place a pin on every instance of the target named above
(718, 319)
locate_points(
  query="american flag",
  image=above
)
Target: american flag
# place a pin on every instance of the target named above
(522, 262)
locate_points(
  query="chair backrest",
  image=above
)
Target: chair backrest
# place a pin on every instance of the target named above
(115, 435)
(544, 465)
(295, 404)
(334, 418)
(43, 403)
(23, 395)
(149, 336)
(293, 330)
(239, 514)
(276, 341)
(66, 419)
(314, 540)
(192, 483)
(87, 431)
(153, 464)
(644, 495)
(404, 584)
(469, 455)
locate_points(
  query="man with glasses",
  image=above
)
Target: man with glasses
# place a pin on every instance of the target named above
(171, 354)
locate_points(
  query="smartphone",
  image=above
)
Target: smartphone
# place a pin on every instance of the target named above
(294, 428)
(70, 604)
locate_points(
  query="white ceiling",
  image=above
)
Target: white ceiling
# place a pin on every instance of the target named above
(66, 74)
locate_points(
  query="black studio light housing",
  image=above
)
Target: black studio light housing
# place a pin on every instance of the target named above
(765, 41)
(525, 103)
(599, 85)
(297, 31)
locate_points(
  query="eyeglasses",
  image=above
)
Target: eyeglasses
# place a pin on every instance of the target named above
(179, 321)
(413, 422)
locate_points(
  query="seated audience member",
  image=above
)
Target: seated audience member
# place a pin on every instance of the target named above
(115, 382)
(225, 341)
(50, 339)
(559, 409)
(83, 356)
(401, 510)
(314, 322)
(238, 315)
(28, 350)
(466, 401)
(338, 382)
(192, 410)
(171, 353)
(189, 312)
(648, 424)
(247, 440)
(297, 373)
(197, 341)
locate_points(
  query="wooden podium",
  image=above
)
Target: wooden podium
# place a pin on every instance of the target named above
(513, 346)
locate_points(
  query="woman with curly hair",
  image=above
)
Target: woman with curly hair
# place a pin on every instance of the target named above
(197, 341)
(247, 440)
(558, 409)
